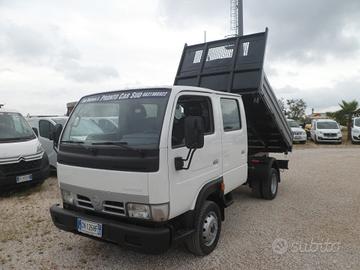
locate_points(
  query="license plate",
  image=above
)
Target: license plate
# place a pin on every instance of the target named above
(89, 227)
(23, 178)
(297, 137)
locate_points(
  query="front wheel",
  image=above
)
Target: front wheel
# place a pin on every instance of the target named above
(207, 230)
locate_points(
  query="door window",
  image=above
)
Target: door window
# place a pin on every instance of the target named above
(45, 129)
(230, 114)
(191, 106)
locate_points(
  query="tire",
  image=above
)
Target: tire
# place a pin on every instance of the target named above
(208, 222)
(270, 185)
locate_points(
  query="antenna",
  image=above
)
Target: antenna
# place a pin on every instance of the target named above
(236, 18)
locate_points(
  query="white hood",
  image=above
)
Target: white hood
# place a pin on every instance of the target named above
(297, 129)
(13, 151)
(328, 130)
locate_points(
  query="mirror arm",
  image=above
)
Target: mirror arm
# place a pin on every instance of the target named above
(179, 162)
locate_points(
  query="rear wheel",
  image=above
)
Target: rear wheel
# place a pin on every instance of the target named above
(207, 230)
(270, 185)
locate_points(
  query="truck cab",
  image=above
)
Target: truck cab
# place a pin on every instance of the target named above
(23, 160)
(131, 173)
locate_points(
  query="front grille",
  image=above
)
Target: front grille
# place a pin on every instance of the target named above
(330, 134)
(297, 133)
(21, 167)
(84, 202)
(112, 207)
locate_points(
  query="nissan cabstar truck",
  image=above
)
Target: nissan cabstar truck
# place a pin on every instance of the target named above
(162, 166)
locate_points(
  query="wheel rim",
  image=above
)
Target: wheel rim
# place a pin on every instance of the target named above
(274, 183)
(210, 229)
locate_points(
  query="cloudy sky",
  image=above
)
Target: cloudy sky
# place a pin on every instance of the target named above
(53, 52)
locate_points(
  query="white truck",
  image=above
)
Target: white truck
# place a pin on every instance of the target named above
(166, 173)
(43, 127)
(22, 158)
(355, 130)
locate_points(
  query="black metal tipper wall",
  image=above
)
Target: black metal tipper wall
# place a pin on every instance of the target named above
(236, 65)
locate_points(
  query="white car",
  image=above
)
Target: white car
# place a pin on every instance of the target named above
(355, 130)
(44, 128)
(23, 160)
(325, 130)
(299, 134)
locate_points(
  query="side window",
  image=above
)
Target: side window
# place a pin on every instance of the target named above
(191, 106)
(44, 128)
(230, 114)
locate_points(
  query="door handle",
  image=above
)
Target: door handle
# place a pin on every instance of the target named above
(243, 152)
(216, 161)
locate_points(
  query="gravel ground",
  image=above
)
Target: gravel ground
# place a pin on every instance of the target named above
(312, 224)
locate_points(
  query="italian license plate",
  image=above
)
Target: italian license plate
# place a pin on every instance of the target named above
(89, 227)
(23, 178)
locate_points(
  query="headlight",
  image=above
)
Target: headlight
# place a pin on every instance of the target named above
(158, 212)
(136, 210)
(67, 196)
(39, 149)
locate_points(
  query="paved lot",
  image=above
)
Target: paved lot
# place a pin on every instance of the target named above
(312, 224)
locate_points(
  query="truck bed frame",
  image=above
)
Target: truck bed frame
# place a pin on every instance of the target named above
(236, 65)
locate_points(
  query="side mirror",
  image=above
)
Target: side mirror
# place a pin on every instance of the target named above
(194, 132)
(56, 135)
(36, 132)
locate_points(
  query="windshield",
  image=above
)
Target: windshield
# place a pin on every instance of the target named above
(327, 125)
(293, 123)
(131, 118)
(60, 121)
(357, 122)
(13, 127)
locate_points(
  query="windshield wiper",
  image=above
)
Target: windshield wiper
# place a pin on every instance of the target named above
(122, 145)
(77, 142)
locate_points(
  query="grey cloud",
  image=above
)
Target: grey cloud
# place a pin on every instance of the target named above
(325, 97)
(184, 13)
(75, 71)
(306, 31)
(50, 49)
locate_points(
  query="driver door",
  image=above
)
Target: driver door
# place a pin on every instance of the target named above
(206, 163)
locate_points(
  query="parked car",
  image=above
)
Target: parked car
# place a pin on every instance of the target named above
(355, 130)
(23, 160)
(43, 127)
(325, 130)
(299, 134)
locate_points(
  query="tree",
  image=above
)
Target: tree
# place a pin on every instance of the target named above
(348, 109)
(293, 108)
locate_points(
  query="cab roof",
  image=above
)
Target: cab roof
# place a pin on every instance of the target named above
(175, 89)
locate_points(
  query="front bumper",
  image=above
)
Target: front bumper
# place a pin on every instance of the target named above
(152, 240)
(329, 139)
(356, 138)
(299, 138)
(8, 181)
